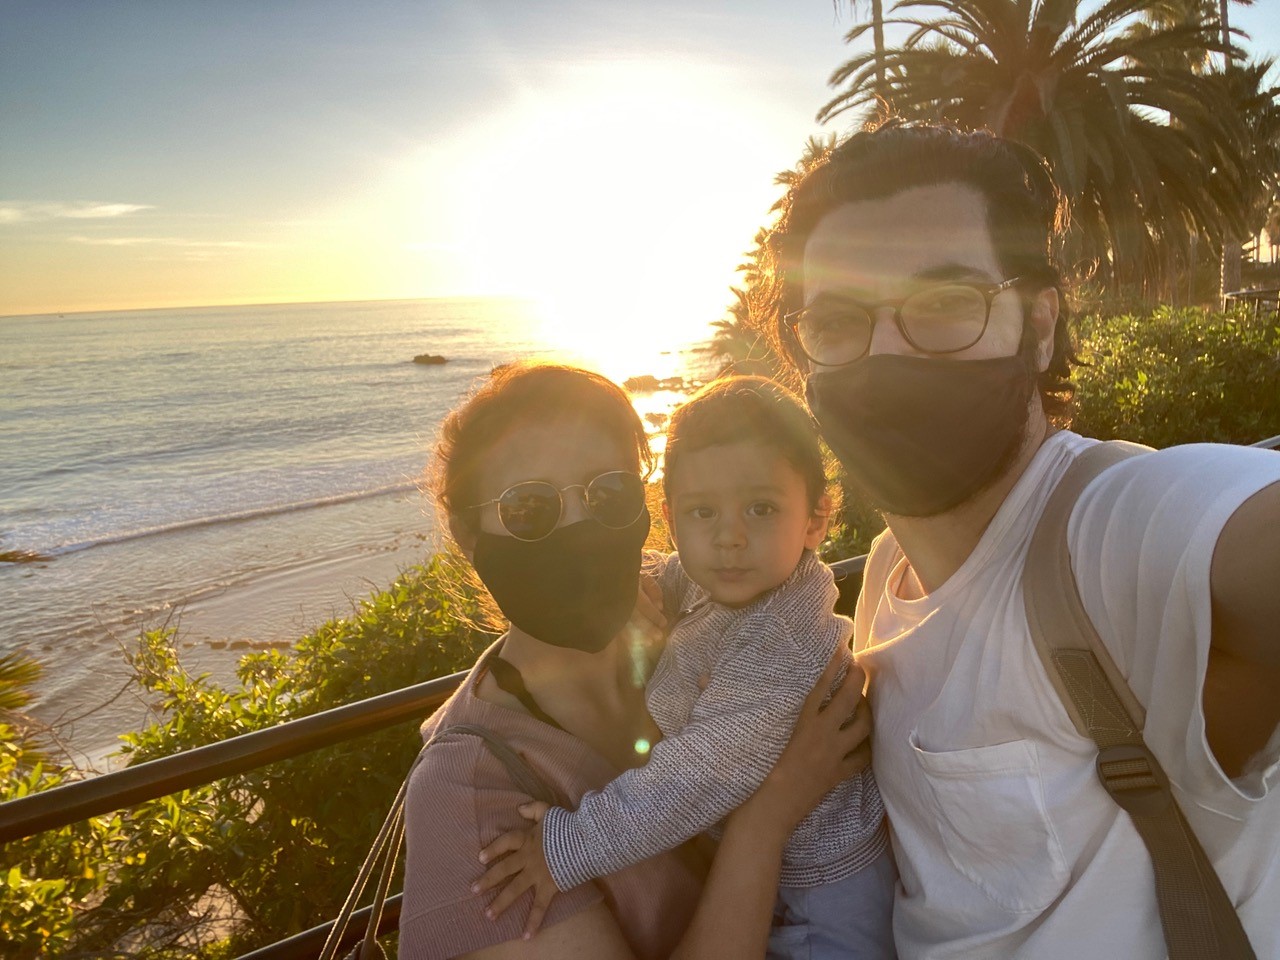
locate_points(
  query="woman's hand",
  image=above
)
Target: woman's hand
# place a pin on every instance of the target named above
(831, 743)
(646, 631)
(520, 865)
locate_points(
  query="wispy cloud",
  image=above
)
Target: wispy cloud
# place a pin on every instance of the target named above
(181, 247)
(165, 242)
(21, 211)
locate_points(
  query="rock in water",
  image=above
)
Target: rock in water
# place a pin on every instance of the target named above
(431, 359)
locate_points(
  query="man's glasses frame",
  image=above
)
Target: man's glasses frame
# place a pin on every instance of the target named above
(613, 484)
(989, 291)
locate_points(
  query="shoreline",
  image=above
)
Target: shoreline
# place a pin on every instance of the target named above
(269, 610)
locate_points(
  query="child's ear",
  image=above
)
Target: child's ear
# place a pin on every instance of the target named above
(819, 520)
(671, 527)
(464, 535)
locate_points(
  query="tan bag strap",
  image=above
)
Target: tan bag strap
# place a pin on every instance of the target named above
(1199, 920)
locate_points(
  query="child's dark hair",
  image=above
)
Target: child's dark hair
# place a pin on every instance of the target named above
(754, 409)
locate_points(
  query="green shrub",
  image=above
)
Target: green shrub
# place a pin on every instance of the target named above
(46, 879)
(221, 869)
(1178, 376)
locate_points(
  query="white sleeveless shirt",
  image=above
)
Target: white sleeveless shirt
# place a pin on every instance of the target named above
(1006, 842)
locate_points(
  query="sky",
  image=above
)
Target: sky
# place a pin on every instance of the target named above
(594, 155)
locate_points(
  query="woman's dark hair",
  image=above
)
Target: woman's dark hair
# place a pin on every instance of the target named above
(519, 394)
(1026, 217)
(737, 409)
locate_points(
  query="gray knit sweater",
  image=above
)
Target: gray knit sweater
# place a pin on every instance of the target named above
(719, 743)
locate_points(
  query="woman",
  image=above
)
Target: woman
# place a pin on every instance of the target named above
(540, 476)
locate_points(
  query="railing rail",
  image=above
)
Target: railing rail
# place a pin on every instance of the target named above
(82, 799)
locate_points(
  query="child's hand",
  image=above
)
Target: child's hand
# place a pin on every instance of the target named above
(520, 865)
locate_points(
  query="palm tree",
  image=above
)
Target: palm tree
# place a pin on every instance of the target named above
(740, 343)
(877, 34)
(1232, 249)
(1162, 14)
(1259, 105)
(1068, 79)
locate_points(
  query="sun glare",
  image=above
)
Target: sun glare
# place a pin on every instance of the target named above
(617, 198)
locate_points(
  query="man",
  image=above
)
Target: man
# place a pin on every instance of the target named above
(920, 296)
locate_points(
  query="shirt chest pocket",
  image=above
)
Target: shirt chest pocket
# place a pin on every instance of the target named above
(993, 820)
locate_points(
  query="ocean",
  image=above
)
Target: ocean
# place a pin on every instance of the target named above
(240, 473)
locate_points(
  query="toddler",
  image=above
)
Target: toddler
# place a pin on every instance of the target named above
(753, 630)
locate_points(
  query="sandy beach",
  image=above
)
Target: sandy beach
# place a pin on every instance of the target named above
(92, 702)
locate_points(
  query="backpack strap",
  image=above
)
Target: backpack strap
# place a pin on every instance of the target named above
(1198, 918)
(526, 779)
(385, 850)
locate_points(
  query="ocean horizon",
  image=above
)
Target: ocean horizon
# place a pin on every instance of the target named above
(243, 473)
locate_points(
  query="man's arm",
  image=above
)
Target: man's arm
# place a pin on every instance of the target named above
(1242, 681)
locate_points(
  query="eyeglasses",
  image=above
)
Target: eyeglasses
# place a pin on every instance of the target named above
(532, 509)
(946, 318)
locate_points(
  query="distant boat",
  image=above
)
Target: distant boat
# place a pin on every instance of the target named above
(431, 359)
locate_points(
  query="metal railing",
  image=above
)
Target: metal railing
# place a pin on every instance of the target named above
(82, 799)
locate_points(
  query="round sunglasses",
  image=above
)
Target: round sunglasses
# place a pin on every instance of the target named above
(531, 510)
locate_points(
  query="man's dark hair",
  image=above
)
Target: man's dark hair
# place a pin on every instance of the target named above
(1026, 216)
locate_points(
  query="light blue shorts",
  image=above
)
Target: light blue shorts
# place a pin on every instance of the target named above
(850, 919)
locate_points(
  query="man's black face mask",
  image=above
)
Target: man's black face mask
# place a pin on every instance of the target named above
(920, 436)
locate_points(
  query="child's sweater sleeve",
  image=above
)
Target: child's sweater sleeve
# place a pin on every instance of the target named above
(738, 728)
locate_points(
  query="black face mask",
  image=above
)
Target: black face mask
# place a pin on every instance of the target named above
(574, 588)
(920, 436)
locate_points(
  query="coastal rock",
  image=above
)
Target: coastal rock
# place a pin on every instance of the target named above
(430, 359)
(22, 556)
(647, 383)
(247, 644)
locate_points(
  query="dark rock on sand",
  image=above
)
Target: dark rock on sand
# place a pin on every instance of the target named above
(21, 556)
(651, 384)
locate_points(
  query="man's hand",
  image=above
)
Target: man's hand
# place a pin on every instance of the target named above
(519, 865)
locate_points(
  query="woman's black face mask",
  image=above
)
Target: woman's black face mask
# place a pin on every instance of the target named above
(574, 588)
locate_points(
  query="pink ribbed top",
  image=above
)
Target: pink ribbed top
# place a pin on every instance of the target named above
(461, 798)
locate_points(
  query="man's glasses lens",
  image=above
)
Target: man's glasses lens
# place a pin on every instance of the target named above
(832, 337)
(942, 319)
(531, 510)
(945, 319)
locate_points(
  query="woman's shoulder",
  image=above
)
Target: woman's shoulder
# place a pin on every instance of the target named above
(460, 799)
